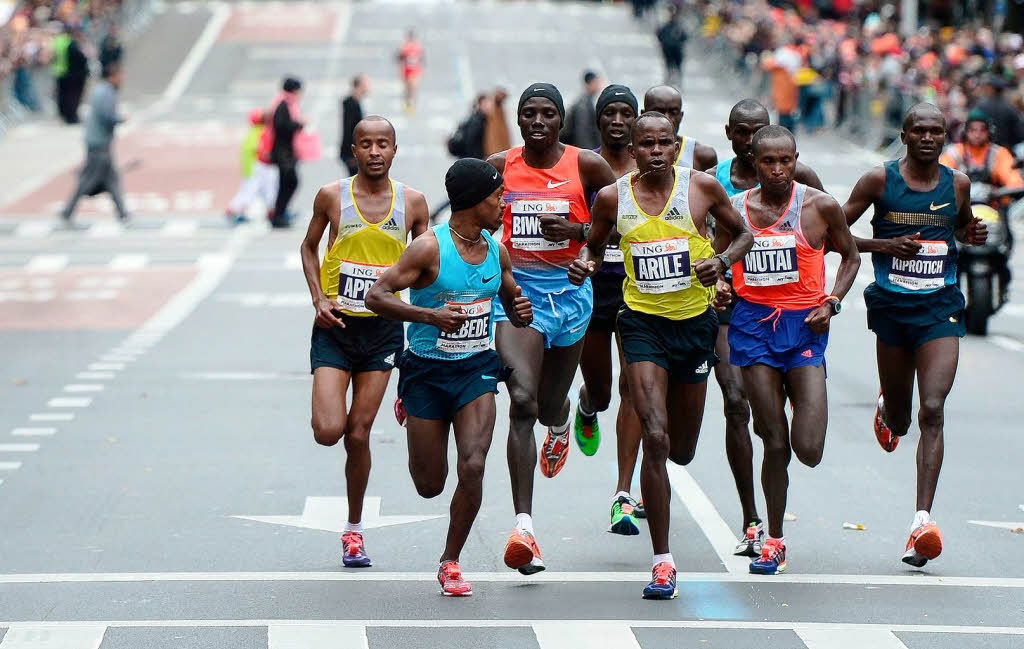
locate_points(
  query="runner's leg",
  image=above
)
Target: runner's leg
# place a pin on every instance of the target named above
(521, 349)
(648, 383)
(806, 389)
(330, 386)
(557, 372)
(764, 386)
(596, 367)
(685, 414)
(738, 447)
(367, 392)
(428, 454)
(628, 431)
(474, 427)
(936, 369)
(896, 367)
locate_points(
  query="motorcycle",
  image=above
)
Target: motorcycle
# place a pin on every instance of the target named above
(985, 269)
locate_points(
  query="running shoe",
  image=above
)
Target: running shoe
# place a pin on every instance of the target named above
(772, 560)
(588, 434)
(663, 582)
(752, 542)
(352, 553)
(449, 575)
(924, 544)
(623, 521)
(883, 433)
(553, 453)
(522, 553)
(400, 414)
(639, 511)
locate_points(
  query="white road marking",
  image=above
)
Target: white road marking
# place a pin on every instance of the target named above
(52, 416)
(69, 402)
(200, 49)
(329, 513)
(316, 636)
(83, 387)
(718, 533)
(106, 366)
(46, 263)
(19, 448)
(118, 358)
(849, 639)
(105, 230)
(94, 376)
(33, 432)
(45, 636)
(559, 635)
(34, 229)
(128, 262)
(1006, 525)
(10, 466)
(179, 228)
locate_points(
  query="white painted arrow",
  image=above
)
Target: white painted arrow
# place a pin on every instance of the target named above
(1006, 525)
(330, 513)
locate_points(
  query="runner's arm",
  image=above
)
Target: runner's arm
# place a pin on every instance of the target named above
(325, 202)
(596, 174)
(969, 228)
(417, 214)
(867, 192)
(602, 221)
(512, 299)
(842, 241)
(729, 229)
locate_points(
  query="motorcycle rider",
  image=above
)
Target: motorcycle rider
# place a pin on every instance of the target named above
(980, 158)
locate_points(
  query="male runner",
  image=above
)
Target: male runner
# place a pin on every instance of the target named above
(371, 217)
(543, 227)
(616, 109)
(449, 375)
(736, 175)
(915, 306)
(779, 327)
(667, 326)
(667, 101)
(410, 60)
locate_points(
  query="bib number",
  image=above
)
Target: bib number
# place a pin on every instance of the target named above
(926, 271)
(771, 261)
(661, 266)
(613, 255)
(475, 334)
(526, 213)
(353, 281)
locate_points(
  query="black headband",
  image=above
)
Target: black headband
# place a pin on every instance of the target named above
(616, 93)
(547, 91)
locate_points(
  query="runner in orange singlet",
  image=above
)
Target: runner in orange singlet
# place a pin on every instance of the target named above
(410, 60)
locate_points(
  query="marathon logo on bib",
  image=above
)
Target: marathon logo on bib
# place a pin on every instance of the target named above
(526, 213)
(475, 334)
(661, 266)
(771, 261)
(613, 255)
(926, 271)
(354, 281)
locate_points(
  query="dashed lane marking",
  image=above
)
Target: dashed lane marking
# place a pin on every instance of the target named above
(83, 387)
(128, 262)
(46, 263)
(10, 466)
(19, 448)
(33, 432)
(106, 366)
(52, 416)
(94, 376)
(69, 402)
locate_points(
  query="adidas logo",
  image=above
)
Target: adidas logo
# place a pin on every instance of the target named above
(703, 369)
(673, 212)
(806, 353)
(390, 360)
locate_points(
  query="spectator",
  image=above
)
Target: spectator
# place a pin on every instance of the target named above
(286, 120)
(71, 69)
(1009, 129)
(258, 179)
(672, 39)
(496, 135)
(110, 48)
(100, 173)
(980, 158)
(580, 127)
(351, 113)
(468, 139)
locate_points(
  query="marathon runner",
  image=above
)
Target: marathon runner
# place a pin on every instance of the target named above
(667, 101)
(371, 216)
(915, 306)
(543, 227)
(737, 174)
(449, 375)
(410, 60)
(667, 327)
(780, 323)
(617, 107)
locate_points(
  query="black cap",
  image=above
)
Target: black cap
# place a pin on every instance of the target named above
(589, 76)
(545, 90)
(291, 84)
(616, 93)
(469, 181)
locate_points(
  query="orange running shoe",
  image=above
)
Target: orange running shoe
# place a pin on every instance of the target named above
(924, 544)
(449, 575)
(522, 553)
(883, 433)
(553, 453)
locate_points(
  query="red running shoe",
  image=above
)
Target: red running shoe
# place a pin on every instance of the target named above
(553, 453)
(449, 575)
(883, 433)
(924, 544)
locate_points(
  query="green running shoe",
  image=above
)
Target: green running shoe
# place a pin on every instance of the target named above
(588, 435)
(622, 518)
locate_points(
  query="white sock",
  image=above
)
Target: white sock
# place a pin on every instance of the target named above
(658, 558)
(583, 412)
(524, 523)
(620, 493)
(354, 527)
(920, 518)
(560, 430)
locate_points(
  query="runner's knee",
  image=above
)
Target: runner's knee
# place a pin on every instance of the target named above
(776, 441)
(327, 430)
(931, 416)
(524, 406)
(655, 439)
(553, 413)
(471, 468)
(737, 410)
(623, 386)
(809, 454)
(682, 454)
(428, 480)
(600, 397)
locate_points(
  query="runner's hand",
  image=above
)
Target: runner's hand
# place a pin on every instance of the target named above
(976, 233)
(557, 228)
(449, 319)
(819, 319)
(523, 308)
(708, 271)
(723, 295)
(905, 247)
(580, 270)
(325, 314)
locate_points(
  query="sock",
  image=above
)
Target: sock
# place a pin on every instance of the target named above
(583, 412)
(658, 558)
(560, 430)
(354, 527)
(620, 493)
(920, 518)
(524, 523)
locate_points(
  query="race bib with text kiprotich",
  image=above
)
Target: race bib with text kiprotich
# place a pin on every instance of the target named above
(661, 266)
(475, 334)
(771, 261)
(354, 281)
(926, 271)
(526, 213)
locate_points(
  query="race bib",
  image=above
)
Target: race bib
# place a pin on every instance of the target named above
(661, 266)
(353, 281)
(771, 261)
(613, 255)
(926, 271)
(526, 213)
(475, 334)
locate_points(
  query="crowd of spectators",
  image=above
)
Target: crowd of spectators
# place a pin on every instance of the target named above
(849, 67)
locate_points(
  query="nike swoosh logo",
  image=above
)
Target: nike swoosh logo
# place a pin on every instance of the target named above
(934, 207)
(552, 185)
(487, 279)
(487, 378)
(620, 94)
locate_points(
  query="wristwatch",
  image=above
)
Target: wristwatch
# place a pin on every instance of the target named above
(725, 260)
(584, 232)
(837, 306)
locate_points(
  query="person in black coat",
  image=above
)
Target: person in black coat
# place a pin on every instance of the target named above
(71, 86)
(351, 114)
(286, 123)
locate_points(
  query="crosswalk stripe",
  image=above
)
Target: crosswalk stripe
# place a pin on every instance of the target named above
(84, 387)
(52, 416)
(10, 466)
(179, 228)
(105, 230)
(34, 229)
(27, 636)
(316, 636)
(849, 639)
(557, 635)
(19, 448)
(128, 262)
(33, 432)
(46, 263)
(69, 402)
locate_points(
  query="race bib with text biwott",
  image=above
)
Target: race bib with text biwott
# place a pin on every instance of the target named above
(771, 261)
(354, 280)
(526, 213)
(475, 334)
(926, 271)
(661, 266)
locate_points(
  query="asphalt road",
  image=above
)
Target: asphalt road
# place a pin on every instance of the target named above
(159, 484)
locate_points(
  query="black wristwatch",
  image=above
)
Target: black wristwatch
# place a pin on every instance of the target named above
(584, 232)
(837, 306)
(725, 260)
